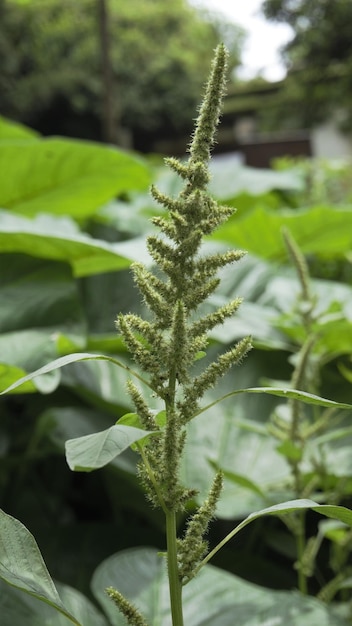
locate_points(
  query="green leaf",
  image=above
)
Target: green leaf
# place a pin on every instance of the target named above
(65, 176)
(66, 360)
(346, 372)
(48, 238)
(133, 419)
(62, 423)
(22, 565)
(251, 474)
(332, 325)
(229, 179)
(214, 597)
(321, 230)
(17, 607)
(240, 480)
(130, 419)
(39, 294)
(40, 314)
(10, 374)
(200, 355)
(290, 451)
(91, 452)
(13, 130)
(340, 513)
(291, 394)
(219, 430)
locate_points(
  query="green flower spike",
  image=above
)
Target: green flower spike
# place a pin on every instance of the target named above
(167, 345)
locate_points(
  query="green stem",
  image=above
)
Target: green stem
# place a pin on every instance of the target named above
(175, 585)
(301, 544)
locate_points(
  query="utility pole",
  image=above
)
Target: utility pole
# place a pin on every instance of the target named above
(108, 117)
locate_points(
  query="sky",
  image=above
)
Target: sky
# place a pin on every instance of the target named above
(261, 51)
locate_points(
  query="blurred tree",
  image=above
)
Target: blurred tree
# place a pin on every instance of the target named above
(318, 58)
(51, 75)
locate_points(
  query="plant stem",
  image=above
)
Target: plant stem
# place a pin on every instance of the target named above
(301, 544)
(175, 586)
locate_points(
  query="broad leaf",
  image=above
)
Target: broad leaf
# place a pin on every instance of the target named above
(321, 230)
(13, 130)
(22, 565)
(48, 238)
(231, 179)
(40, 315)
(213, 597)
(65, 176)
(39, 294)
(91, 452)
(17, 607)
(63, 423)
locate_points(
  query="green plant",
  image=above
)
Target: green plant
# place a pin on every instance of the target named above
(166, 345)
(301, 432)
(176, 337)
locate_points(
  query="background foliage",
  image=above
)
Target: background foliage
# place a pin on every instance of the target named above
(318, 59)
(51, 77)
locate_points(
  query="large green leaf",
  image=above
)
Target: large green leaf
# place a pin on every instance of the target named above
(214, 597)
(65, 176)
(229, 179)
(55, 239)
(22, 565)
(17, 607)
(321, 230)
(13, 130)
(91, 452)
(40, 316)
(39, 294)
(69, 422)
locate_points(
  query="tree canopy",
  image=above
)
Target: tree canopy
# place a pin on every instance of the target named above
(319, 56)
(160, 53)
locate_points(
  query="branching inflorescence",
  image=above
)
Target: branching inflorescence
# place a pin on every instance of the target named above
(167, 345)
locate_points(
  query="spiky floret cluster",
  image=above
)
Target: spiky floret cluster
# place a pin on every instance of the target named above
(166, 345)
(131, 613)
